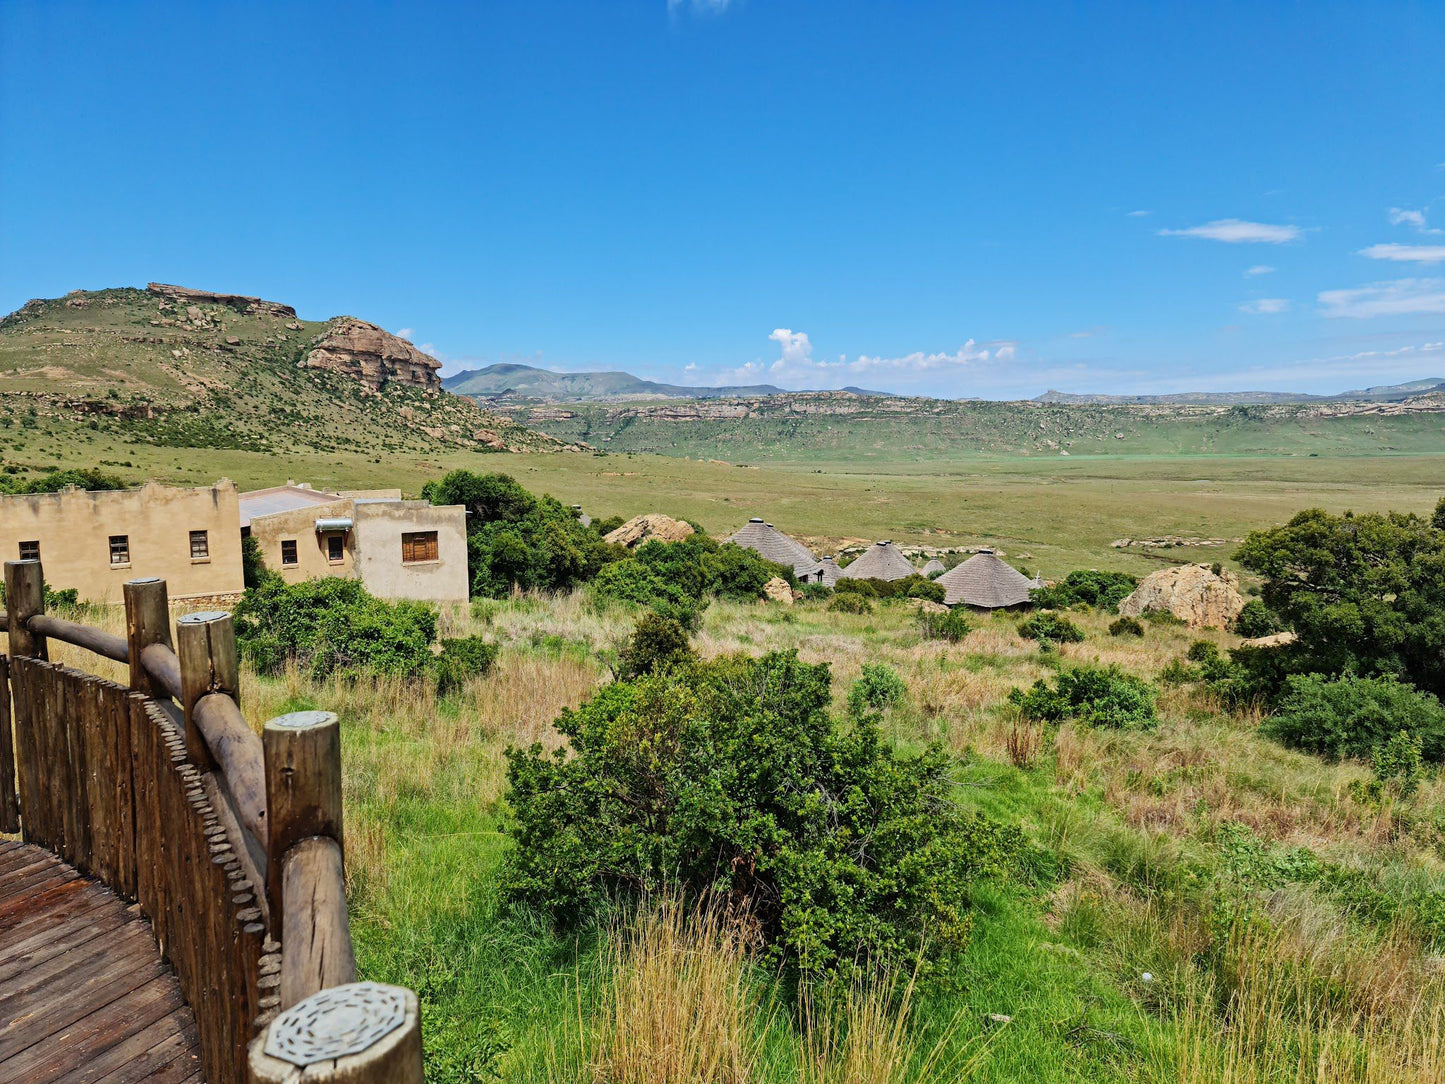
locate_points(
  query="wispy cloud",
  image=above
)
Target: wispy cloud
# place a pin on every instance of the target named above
(1400, 216)
(796, 364)
(1237, 231)
(1406, 253)
(1265, 306)
(698, 7)
(1402, 297)
(1259, 269)
(1140, 214)
(405, 332)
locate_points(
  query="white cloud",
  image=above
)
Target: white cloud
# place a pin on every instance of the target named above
(405, 332)
(1402, 297)
(698, 7)
(1399, 216)
(1260, 269)
(690, 367)
(796, 365)
(1265, 306)
(1140, 214)
(1237, 231)
(1406, 253)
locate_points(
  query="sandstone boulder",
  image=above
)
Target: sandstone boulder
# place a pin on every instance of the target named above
(372, 355)
(1278, 639)
(1195, 594)
(645, 528)
(777, 590)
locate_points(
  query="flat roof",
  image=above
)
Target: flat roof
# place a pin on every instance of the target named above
(266, 502)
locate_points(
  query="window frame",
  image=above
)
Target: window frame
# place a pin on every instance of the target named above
(295, 553)
(119, 546)
(335, 544)
(430, 547)
(205, 552)
(35, 554)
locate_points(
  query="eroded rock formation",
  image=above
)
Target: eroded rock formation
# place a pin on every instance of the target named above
(1198, 596)
(645, 528)
(372, 355)
(184, 295)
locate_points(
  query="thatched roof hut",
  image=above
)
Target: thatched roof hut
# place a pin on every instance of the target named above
(986, 582)
(773, 545)
(881, 561)
(934, 565)
(831, 572)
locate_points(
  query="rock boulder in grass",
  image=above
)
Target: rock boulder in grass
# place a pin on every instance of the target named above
(649, 527)
(1196, 594)
(777, 590)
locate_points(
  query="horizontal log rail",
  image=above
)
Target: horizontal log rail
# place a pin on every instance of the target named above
(231, 841)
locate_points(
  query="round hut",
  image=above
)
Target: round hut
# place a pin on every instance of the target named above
(934, 566)
(773, 545)
(881, 561)
(986, 582)
(831, 572)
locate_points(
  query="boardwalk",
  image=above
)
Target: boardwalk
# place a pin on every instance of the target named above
(85, 995)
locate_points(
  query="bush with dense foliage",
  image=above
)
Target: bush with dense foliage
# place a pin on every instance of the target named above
(850, 602)
(877, 689)
(1126, 626)
(516, 540)
(1353, 716)
(729, 780)
(686, 573)
(952, 626)
(1096, 695)
(1051, 627)
(56, 480)
(1087, 587)
(1365, 594)
(658, 643)
(1255, 620)
(334, 626)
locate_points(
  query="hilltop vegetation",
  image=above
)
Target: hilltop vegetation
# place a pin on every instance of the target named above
(126, 367)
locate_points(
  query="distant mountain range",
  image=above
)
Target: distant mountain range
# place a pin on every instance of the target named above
(511, 381)
(1387, 393)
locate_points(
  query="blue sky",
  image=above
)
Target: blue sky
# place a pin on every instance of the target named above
(944, 198)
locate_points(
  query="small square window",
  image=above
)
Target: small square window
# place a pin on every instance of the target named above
(30, 551)
(335, 548)
(288, 552)
(200, 545)
(418, 546)
(120, 549)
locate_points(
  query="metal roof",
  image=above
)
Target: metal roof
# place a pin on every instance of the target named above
(267, 502)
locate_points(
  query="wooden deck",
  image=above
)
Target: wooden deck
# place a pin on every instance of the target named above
(84, 993)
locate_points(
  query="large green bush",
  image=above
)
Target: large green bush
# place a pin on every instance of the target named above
(516, 540)
(1096, 695)
(658, 643)
(334, 626)
(56, 480)
(1353, 716)
(688, 572)
(952, 626)
(1050, 627)
(730, 780)
(1364, 593)
(1087, 587)
(1255, 620)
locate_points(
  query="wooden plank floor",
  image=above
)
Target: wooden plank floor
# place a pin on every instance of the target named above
(84, 994)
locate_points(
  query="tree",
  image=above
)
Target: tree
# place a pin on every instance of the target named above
(1087, 587)
(1365, 594)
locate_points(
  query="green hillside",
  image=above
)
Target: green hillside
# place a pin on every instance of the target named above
(833, 425)
(115, 369)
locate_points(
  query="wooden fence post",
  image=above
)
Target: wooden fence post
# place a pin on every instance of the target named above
(24, 598)
(147, 621)
(362, 1033)
(206, 647)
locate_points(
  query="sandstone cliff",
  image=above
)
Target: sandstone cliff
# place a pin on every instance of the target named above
(372, 355)
(184, 295)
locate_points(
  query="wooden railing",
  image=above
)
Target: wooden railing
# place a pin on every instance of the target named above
(230, 842)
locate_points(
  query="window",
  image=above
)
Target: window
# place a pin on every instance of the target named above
(288, 552)
(30, 551)
(418, 546)
(200, 546)
(119, 549)
(334, 548)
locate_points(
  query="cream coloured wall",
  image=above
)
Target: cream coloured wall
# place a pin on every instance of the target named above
(74, 528)
(299, 525)
(379, 527)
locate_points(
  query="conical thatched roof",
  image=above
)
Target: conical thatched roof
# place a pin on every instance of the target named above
(831, 572)
(773, 545)
(881, 561)
(935, 565)
(987, 582)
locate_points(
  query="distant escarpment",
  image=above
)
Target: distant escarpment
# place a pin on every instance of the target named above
(372, 355)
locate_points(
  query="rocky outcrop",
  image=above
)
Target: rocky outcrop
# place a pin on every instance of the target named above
(777, 590)
(184, 295)
(1278, 639)
(646, 528)
(372, 355)
(1198, 596)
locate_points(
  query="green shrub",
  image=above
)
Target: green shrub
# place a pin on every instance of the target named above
(1353, 716)
(253, 564)
(462, 658)
(1087, 587)
(952, 626)
(1255, 620)
(1203, 651)
(1098, 696)
(878, 689)
(1126, 626)
(56, 480)
(866, 588)
(687, 573)
(816, 592)
(730, 780)
(1052, 627)
(1160, 616)
(850, 602)
(1398, 769)
(657, 644)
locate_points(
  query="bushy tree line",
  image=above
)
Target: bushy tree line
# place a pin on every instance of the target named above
(683, 575)
(56, 480)
(1087, 587)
